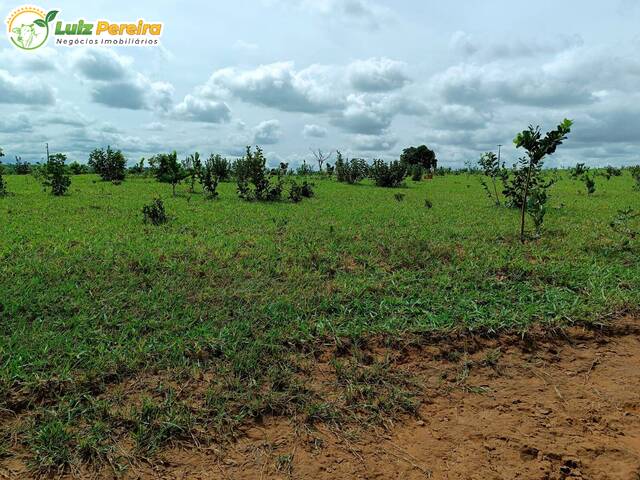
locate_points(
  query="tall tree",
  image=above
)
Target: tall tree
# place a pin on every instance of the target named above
(421, 155)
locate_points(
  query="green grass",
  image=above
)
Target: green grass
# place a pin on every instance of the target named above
(90, 296)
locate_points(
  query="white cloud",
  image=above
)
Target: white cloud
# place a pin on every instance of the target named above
(377, 75)
(314, 131)
(267, 132)
(202, 110)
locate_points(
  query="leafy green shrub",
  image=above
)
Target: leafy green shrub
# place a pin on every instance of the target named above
(416, 173)
(3, 182)
(428, 203)
(491, 168)
(399, 197)
(611, 171)
(304, 169)
(209, 177)
(138, 168)
(537, 148)
(537, 208)
(78, 169)
(54, 174)
(253, 178)
(635, 174)
(192, 166)
(220, 167)
(389, 175)
(579, 170)
(21, 168)
(109, 164)
(350, 171)
(514, 183)
(298, 192)
(168, 169)
(154, 212)
(590, 183)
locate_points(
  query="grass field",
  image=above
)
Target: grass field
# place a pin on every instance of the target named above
(230, 297)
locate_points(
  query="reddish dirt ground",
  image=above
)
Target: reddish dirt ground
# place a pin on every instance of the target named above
(547, 407)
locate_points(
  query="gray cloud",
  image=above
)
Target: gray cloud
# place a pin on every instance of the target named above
(24, 90)
(314, 131)
(101, 64)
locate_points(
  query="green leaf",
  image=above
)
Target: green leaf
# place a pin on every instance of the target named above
(39, 22)
(51, 15)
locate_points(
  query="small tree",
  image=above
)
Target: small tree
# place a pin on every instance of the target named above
(611, 171)
(421, 155)
(491, 168)
(54, 174)
(220, 167)
(193, 169)
(635, 174)
(321, 157)
(579, 170)
(3, 182)
(537, 148)
(388, 175)
(22, 168)
(109, 164)
(78, 169)
(590, 183)
(168, 169)
(253, 179)
(350, 171)
(209, 177)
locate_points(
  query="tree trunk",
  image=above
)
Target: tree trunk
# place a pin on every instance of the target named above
(524, 202)
(495, 189)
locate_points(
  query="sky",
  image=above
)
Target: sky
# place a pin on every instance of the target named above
(366, 77)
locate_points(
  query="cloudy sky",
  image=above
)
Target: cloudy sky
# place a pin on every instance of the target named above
(368, 77)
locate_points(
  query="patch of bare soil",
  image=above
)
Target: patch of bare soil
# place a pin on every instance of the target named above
(539, 407)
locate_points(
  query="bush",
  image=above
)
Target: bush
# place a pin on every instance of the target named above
(209, 177)
(78, 169)
(491, 168)
(590, 183)
(168, 169)
(298, 192)
(399, 197)
(611, 171)
(109, 164)
(389, 175)
(579, 170)
(21, 168)
(253, 178)
(220, 167)
(192, 166)
(635, 174)
(54, 174)
(304, 169)
(138, 168)
(3, 182)
(350, 171)
(154, 213)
